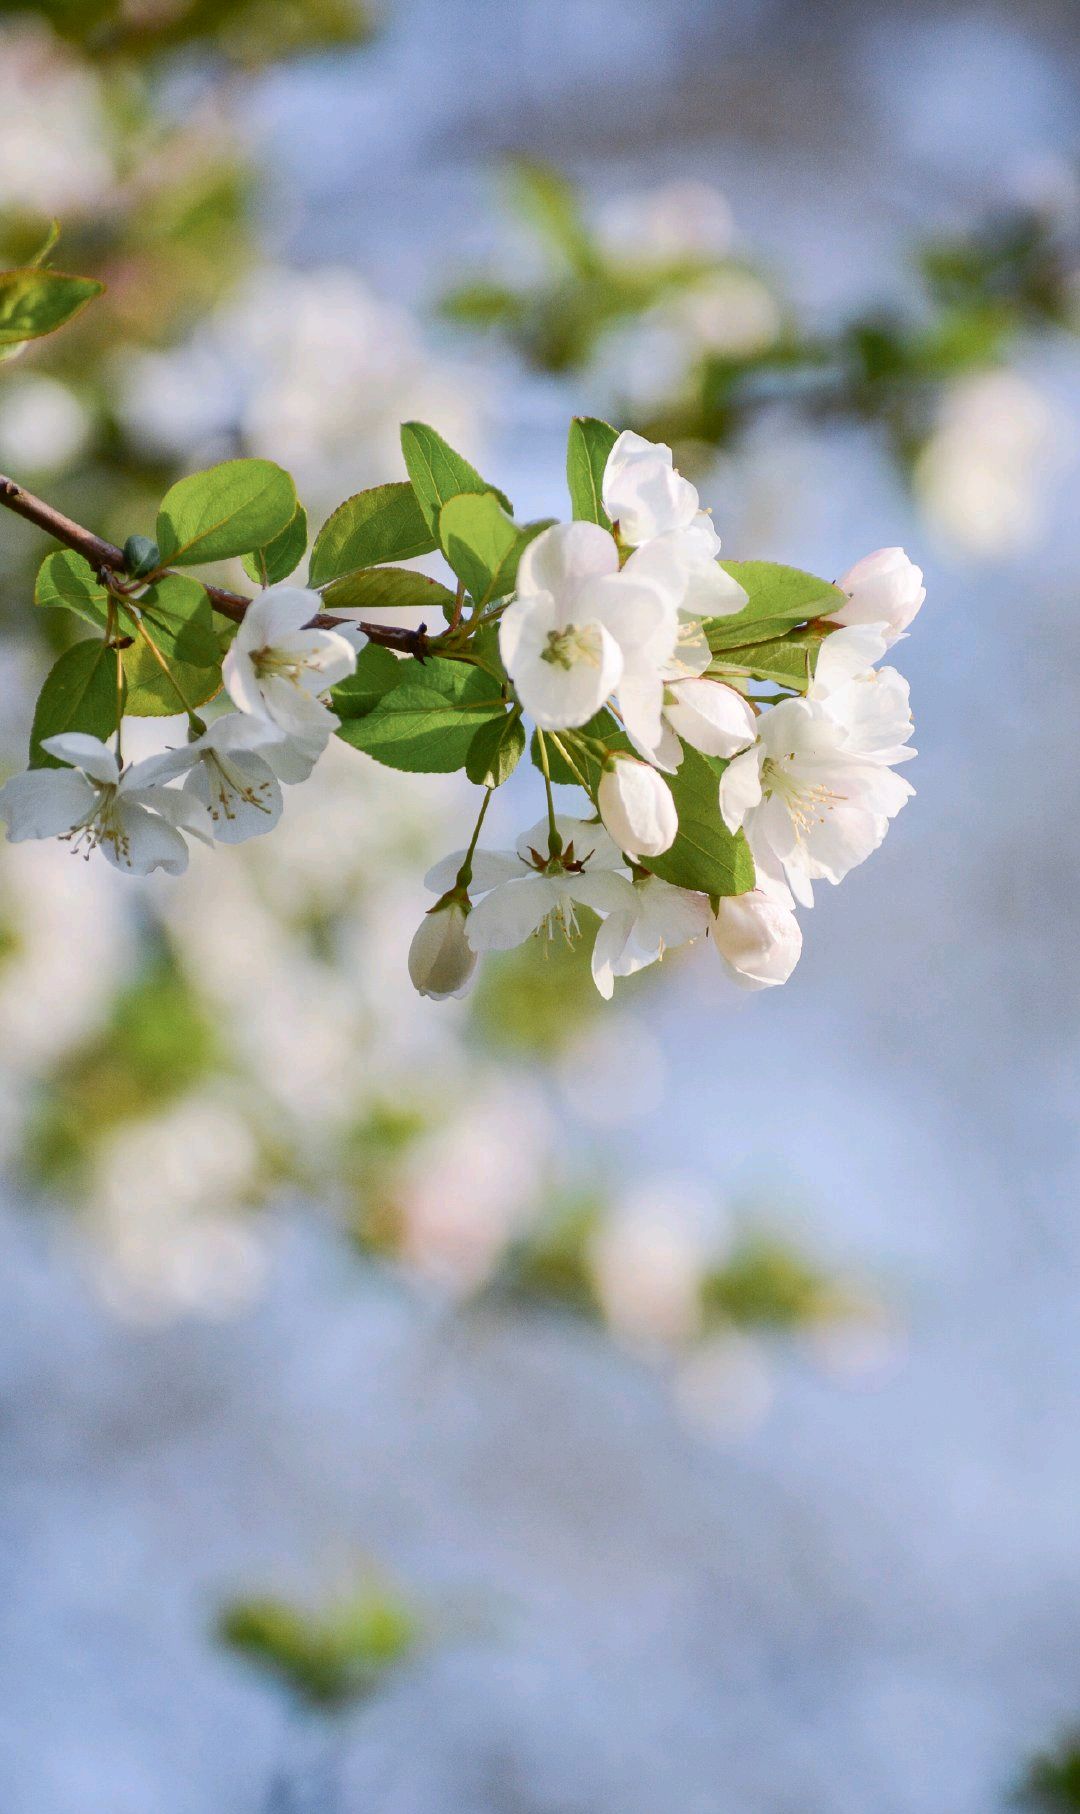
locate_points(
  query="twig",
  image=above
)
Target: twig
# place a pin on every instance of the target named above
(104, 557)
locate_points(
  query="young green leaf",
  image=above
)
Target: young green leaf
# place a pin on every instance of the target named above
(377, 672)
(34, 302)
(482, 544)
(280, 557)
(178, 616)
(587, 449)
(428, 721)
(388, 588)
(705, 856)
(66, 581)
(779, 598)
(438, 473)
(495, 751)
(79, 694)
(788, 660)
(383, 524)
(229, 509)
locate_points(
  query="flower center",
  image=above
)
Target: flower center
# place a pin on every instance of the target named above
(271, 663)
(102, 825)
(230, 789)
(566, 648)
(808, 803)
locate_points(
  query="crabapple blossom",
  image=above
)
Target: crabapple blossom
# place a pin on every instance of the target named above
(578, 628)
(658, 510)
(441, 960)
(808, 801)
(525, 889)
(134, 821)
(758, 938)
(883, 588)
(277, 667)
(706, 714)
(234, 769)
(659, 917)
(637, 808)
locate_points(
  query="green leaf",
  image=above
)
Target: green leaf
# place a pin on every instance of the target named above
(789, 660)
(79, 694)
(438, 473)
(587, 449)
(495, 751)
(428, 721)
(281, 556)
(386, 589)
(377, 671)
(229, 509)
(705, 856)
(66, 581)
(34, 302)
(179, 618)
(779, 597)
(545, 198)
(383, 524)
(482, 544)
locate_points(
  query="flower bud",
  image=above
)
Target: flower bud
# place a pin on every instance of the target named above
(637, 808)
(759, 940)
(141, 555)
(883, 588)
(441, 961)
(710, 717)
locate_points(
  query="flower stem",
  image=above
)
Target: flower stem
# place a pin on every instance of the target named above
(572, 765)
(464, 874)
(554, 840)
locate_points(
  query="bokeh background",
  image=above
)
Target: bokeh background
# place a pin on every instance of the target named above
(518, 1405)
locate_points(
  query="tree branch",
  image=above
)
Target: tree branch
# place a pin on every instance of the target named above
(104, 556)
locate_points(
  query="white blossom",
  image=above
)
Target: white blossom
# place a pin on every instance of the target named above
(137, 823)
(871, 705)
(527, 889)
(277, 668)
(757, 936)
(706, 714)
(637, 808)
(806, 798)
(659, 514)
(578, 629)
(235, 769)
(658, 918)
(441, 960)
(883, 588)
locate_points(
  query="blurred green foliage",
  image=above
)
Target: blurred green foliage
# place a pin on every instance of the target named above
(250, 32)
(331, 1657)
(982, 291)
(1052, 1784)
(158, 1043)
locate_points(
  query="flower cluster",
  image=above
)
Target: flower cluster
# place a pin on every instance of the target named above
(617, 618)
(729, 722)
(232, 770)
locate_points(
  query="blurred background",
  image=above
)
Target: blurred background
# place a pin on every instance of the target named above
(520, 1405)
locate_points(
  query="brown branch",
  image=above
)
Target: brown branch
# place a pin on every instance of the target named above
(105, 557)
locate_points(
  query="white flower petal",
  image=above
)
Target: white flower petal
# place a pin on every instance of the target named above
(149, 842)
(710, 716)
(560, 560)
(45, 803)
(511, 913)
(85, 752)
(740, 788)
